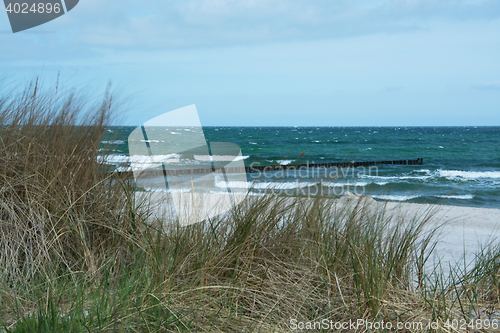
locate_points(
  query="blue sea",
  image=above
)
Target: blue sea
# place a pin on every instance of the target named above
(461, 165)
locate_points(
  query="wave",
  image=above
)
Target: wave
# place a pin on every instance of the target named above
(141, 159)
(150, 141)
(114, 142)
(388, 178)
(168, 158)
(222, 158)
(281, 186)
(354, 184)
(448, 174)
(395, 197)
(460, 197)
(454, 174)
(264, 185)
(415, 177)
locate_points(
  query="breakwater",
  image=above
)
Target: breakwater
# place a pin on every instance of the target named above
(261, 168)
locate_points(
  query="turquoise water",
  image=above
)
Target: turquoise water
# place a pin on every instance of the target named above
(461, 164)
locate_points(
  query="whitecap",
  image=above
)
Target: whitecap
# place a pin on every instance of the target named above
(221, 158)
(145, 160)
(266, 185)
(461, 197)
(454, 174)
(114, 142)
(395, 197)
(282, 186)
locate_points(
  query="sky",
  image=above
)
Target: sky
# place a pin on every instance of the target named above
(275, 62)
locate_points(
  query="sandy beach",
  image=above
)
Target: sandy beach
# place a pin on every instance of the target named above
(464, 230)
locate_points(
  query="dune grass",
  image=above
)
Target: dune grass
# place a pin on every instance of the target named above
(76, 253)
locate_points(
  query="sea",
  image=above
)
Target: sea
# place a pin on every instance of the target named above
(461, 165)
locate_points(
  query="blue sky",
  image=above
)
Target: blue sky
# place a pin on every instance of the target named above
(276, 62)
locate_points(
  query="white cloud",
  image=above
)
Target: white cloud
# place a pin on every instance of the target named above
(95, 25)
(181, 23)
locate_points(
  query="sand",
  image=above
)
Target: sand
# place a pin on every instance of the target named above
(464, 230)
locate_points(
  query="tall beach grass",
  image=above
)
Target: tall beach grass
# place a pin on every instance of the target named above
(77, 255)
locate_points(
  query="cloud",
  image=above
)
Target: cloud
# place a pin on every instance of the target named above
(181, 23)
(95, 26)
(448, 9)
(493, 85)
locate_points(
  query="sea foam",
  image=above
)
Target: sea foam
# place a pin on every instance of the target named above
(460, 197)
(395, 197)
(453, 174)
